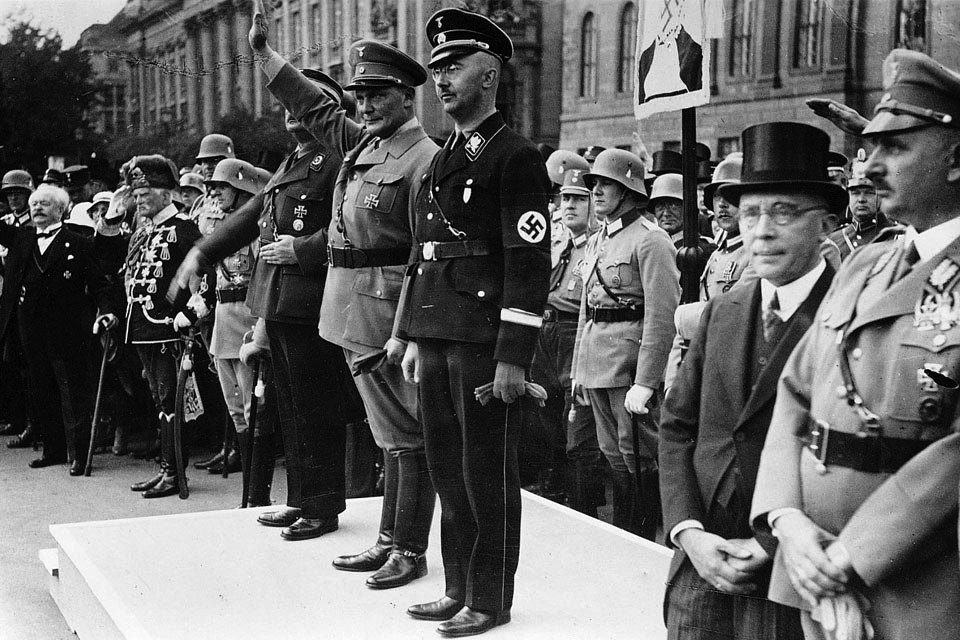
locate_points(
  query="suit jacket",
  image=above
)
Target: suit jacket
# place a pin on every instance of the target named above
(61, 299)
(492, 188)
(900, 528)
(715, 419)
(374, 198)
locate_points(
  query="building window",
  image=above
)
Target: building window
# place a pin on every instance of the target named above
(726, 146)
(912, 25)
(741, 44)
(807, 41)
(588, 57)
(336, 28)
(628, 48)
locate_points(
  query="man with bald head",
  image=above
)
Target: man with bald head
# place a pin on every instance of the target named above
(472, 312)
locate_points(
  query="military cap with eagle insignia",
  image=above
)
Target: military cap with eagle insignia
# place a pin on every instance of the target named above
(454, 32)
(379, 64)
(918, 91)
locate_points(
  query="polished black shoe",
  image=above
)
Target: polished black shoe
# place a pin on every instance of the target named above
(233, 464)
(402, 568)
(369, 560)
(438, 610)
(306, 528)
(147, 484)
(76, 468)
(168, 486)
(44, 461)
(205, 464)
(470, 622)
(280, 518)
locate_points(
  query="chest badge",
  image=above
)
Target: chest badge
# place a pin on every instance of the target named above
(298, 225)
(300, 211)
(371, 201)
(317, 162)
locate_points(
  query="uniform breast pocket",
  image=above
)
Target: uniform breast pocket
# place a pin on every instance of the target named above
(927, 380)
(619, 274)
(378, 191)
(302, 214)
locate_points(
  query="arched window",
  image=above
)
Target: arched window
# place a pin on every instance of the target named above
(628, 48)
(588, 57)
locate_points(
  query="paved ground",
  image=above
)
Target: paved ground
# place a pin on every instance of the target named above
(32, 499)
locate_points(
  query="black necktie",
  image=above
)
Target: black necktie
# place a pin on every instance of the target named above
(771, 319)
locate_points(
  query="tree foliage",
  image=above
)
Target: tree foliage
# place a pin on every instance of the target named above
(44, 91)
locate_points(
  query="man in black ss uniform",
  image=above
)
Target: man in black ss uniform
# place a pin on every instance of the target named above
(314, 389)
(472, 311)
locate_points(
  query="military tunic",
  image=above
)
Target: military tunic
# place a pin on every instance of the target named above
(897, 519)
(474, 298)
(851, 236)
(724, 267)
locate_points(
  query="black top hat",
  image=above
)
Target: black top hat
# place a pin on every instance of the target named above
(666, 161)
(704, 171)
(786, 155)
(703, 152)
(77, 175)
(53, 176)
(379, 64)
(454, 32)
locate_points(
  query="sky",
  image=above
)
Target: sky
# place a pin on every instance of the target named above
(67, 17)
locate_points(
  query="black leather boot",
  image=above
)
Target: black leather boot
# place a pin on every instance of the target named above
(215, 459)
(377, 555)
(624, 499)
(584, 487)
(648, 513)
(234, 464)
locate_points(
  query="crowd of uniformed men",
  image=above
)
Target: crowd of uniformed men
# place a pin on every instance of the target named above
(504, 316)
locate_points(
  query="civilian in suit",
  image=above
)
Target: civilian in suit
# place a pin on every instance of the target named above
(53, 284)
(473, 310)
(369, 243)
(717, 413)
(859, 475)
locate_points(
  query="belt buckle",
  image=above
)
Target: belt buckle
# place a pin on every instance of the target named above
(429, 250)
(818, 445)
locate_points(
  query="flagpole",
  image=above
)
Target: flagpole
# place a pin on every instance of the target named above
(690, 257)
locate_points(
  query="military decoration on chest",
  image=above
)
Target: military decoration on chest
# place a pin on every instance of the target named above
(300, 212)
(939, 306)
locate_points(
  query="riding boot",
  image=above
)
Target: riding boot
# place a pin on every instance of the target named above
(414, 513)
(375, 557)
(624, 499)
(261, 470)
(584, 490)
(648, 513)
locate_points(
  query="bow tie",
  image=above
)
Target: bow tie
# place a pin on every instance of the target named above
(47, 234)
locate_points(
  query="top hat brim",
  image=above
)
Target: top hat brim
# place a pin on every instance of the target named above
(835, 195)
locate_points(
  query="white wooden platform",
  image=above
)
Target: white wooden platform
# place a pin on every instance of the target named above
(220, 575)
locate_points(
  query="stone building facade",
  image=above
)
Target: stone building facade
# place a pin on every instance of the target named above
(774, 54)
(188, 62)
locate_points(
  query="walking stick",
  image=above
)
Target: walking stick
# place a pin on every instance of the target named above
(251, 432)
(186, 366)
(104, 345)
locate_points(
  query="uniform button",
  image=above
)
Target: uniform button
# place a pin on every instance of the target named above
(379, 293)
(277, 190)
(857, 353)
(419, 272)
(429, 216)
(939, 340)
(469, 180)
(303, 196)
(353, 177)
(841, 391)
(762, 360)
(481, 293)
(344, 198)
(436, 188)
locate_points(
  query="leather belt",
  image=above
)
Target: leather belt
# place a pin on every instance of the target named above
(234, 294)
(614, 314)
(448, 250)
(859, 451)
(351, 258)
(552, 315)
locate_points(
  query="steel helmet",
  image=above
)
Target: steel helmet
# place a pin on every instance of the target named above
(620, 166)
(858, 172)
(215, 145)
(191, 180)
(669, 185)
(561, 161)
(237, 173)
(264, 175)
(17, 179)
(726, 172)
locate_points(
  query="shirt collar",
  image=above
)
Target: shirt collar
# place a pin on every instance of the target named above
(791, 295)
(164, 214)
(52, 229)
(933, 240)
(580, 240)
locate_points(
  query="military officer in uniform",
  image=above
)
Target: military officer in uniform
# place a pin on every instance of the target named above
(473, 310)
(567, 427)
(859, 475)
(204, 210)
(558, 163)
(314, 391)
(631, 291)
(866, 220)
(151, 264)
(666, 204)
(15, 188)
(369, 243)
